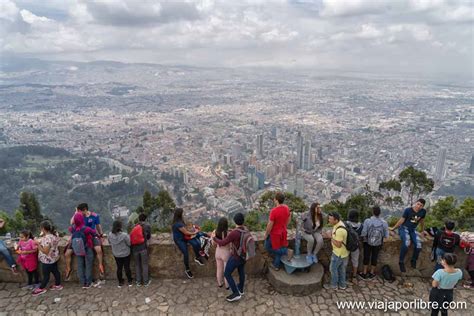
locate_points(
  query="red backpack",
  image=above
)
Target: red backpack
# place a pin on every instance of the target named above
(136, 235)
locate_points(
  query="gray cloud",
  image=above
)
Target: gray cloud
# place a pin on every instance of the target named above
(377, 36)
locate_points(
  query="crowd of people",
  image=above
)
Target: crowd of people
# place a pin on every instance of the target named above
(235, 246)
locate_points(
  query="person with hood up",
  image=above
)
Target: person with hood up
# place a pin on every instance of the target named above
(83, 247)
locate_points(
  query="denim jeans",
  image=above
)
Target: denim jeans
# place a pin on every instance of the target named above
(407, 235)
(141, 266)
(439, 254)
(6, 254)
(84, 267)
(232, 264)
(183, 247)
(337, 267)
(277, 253)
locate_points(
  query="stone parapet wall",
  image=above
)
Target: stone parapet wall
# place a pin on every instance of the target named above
(166, 261)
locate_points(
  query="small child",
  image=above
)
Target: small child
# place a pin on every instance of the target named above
(120, 242)
(28, 258)
(48, 255)
(444, 281)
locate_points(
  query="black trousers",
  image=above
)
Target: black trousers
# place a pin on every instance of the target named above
(371, 254)
(440, 296)
(471, 274)
(123, 263)
(33, 275)
(47, 269)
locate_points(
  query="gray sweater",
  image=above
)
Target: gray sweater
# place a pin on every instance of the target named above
(120, 244)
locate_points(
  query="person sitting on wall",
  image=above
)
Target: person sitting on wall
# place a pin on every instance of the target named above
(407, 224)
(4, 249)
(276, 242)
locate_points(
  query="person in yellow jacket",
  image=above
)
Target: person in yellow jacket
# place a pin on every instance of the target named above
(340, 254)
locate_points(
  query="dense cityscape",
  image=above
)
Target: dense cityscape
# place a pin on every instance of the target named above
(218, 138)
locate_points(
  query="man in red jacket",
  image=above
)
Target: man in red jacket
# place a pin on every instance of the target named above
(276, 242)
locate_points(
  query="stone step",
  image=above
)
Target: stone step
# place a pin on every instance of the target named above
(297, 283)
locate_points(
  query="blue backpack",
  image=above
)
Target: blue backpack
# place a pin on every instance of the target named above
(78, 242)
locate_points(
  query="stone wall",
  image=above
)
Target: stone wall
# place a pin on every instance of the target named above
(166, 261)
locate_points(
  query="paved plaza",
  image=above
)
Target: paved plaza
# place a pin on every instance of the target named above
(201, 296)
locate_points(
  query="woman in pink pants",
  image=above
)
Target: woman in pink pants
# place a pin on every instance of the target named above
(222, 252)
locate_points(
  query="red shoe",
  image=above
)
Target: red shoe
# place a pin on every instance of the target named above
(39, 291)
(56, 287)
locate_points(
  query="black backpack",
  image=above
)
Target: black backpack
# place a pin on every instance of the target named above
(352, 241)
(387, 273)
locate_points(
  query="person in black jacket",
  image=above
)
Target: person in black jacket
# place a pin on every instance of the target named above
(445, 241)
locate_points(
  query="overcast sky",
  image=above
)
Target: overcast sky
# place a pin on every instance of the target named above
(421, 36)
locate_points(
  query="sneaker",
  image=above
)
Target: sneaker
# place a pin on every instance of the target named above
(199, 261)
(36, 286)
(233, 297)
(241, 292)
(189, 274)
(468, 286)
(13, 268)
(138, 284)
(413, 264)
(309, 259)
(342, 288)
(371, 276)
(329, 287)
(315, 259)
(96, 284)
(271, 266)
(39, 291)
(362, 275)
(87, 286)
(147, 283)
(56, 287)
(29, 287)
(402, 267)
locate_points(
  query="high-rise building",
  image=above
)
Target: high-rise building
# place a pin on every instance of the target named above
(260, 146)
(320, 153)
(252, 180)
(299, 187)
(236, 151)
(440, 171)
(307, 156)
(260, 180)
(471, 167)
(299, 151)
(275, 132)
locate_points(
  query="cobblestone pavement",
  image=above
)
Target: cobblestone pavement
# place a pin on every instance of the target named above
(202, 297)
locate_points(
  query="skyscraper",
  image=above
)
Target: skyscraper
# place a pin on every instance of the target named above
(299, 151)
(307, 155)
(471, 167)
(440, 171)
(260, 146)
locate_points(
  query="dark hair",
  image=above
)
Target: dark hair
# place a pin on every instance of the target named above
(450, 258)
(47, 226)
(83, 207)
(376, 210)
(449, 225)
(280, 197)
(239, 219)
(142, 217)
(116, 227)
(312, 210)
(353, 216)
(178, 215)
(27, 233)
(222, 227)
(336, 215)
(422, 201)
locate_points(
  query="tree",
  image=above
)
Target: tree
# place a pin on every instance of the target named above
(466, 213)
(148, 203)
(31, 211)
(165, 205)
(295, 203)
(416, 182)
